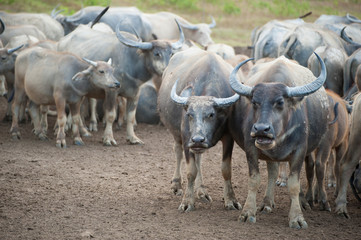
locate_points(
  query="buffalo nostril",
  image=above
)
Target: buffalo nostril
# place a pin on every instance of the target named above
(262, 128)
(198, 139)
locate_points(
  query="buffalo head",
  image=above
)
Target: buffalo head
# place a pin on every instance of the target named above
(200, 33)
(273, 103)
(157, 52)
(7, 58)
(204, 117)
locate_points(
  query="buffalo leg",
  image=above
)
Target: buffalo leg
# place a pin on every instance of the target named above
(61, 121)
(34, 111)
(250, 208)
(93, 125)
(76, 118)
(188, 198)
(230, 200)
(200, 189)
(331, 165)
(177, 178)
(282, 176)
(19, 98)
(268, 200)
(110, 114)
(296, 219)
(322, 156)
(130, 120)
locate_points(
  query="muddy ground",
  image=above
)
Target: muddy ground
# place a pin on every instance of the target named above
(123, 192)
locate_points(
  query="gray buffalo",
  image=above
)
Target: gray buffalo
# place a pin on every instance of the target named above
(194, 104)
(64, 78)
(135, 62)
(281, 116)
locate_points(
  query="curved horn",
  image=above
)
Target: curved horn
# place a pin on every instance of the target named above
(345, 37)
(55, 12)
(190, 27)
(90, 62)
(312, 87)
(175, 97)
(213, 24)
(238, 87)
(179, 43)
(77, 17)
(352, 18)
(2, 26)
(225, 102)
(11, 50)
(96, 20)
(132, 43)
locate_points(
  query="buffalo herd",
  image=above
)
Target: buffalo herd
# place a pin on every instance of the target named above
(294, 100)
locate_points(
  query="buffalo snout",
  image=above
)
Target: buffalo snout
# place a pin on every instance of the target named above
(198, 139)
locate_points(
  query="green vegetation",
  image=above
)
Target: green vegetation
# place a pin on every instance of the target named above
(235, 18)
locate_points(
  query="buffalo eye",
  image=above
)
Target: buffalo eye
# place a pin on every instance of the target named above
(255, 104)
(279, 104)
(211, 115)
(3, 57)
(189, 115)
(157, 54)
(101, 71)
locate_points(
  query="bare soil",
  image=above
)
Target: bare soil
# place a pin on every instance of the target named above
(123, 192)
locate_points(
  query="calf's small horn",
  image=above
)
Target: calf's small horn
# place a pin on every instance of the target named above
(90, 62)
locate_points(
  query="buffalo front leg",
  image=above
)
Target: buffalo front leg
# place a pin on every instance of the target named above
(230, 200)
(130, 120)
(188, 197)
(296, 219)
(93, 125)
(177, 177)
(200, 189)
(61, 120)
(268, 201)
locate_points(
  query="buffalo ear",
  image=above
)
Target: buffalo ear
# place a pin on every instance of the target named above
(81, 75)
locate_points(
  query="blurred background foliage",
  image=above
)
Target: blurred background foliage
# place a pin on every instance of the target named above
(235, 18)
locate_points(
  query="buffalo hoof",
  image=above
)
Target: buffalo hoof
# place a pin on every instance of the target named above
(109, 142)
(15, 136)
(324, 206)
(134, 141)
(203, 195)
(186, 207)
(331, 184)
(305, 204)
(177, 187)
(42, 136)
(60, 143)
(79, 142)
(93, 127)
(247, 216)
(341, 210)
(281, 182)
(298, 223)
(267, 205)
(232, 205)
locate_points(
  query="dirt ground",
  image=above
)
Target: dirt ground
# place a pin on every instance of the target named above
(123, 192)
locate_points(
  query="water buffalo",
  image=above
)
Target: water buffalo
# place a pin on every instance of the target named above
(194, 103)
(134, 62)
(63, 78)
(44, 22)
(334, 59)
(336, 139)
(163, 27)
(281, 116)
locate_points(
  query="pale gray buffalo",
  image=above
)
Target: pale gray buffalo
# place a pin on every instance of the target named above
(44, 22)
(194, 104)
(47, 77)
(282, 116)
(135, 62)
(164, 27)
(334, 59)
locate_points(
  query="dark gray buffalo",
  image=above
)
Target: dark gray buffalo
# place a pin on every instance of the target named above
(278, 119)
(134, 61)
(194, 103)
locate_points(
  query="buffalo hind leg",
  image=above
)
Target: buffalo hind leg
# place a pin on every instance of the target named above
(76, 120)
(130, 120)
(19, 98)
(282, 176)
(61, 120)
(34, 111)
(109, 117)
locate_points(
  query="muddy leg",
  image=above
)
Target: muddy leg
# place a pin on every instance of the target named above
(177, 178)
